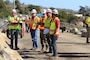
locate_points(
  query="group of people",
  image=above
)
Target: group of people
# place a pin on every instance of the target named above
(48, 25)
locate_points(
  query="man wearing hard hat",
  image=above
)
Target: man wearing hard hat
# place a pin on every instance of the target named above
(14, 27)
(42, 38)
(21, 24)
(54, 31)
(26, 23)
(34, 27)
(87, 22)
(46, 29)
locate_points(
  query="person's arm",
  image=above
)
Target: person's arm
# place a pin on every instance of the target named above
(13, 22)
(57, 25)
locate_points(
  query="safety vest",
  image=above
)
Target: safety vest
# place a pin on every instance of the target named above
(26, 21)
(14, 26)
(53, 26)
(47, 23)
(20, 20)
(88, 21)
(33, 23)
(42, 21)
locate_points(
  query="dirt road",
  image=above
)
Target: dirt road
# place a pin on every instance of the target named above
(69, 46)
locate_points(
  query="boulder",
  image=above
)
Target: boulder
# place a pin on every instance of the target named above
(5, 52)
(74, 30)
(84, 32)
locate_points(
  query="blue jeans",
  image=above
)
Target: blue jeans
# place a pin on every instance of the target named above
(34, 36)
(14, 35)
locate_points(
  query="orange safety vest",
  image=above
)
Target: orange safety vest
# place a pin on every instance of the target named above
(33, 23)
(53, 26)
(26, 21)
(42, 21)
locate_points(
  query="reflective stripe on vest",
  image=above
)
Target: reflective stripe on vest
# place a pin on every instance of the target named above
(33, 23)
(42, 21)
(53, 27)
(47, 23)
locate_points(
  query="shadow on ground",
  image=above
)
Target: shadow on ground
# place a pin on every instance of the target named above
(30, 54)
(74, 55)
(75, 43)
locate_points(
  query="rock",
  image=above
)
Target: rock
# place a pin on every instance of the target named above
(80, 24)
(79, 33)
(74, 30)
(84, 33)
(9, 54)
(83, 30)
(5, 52)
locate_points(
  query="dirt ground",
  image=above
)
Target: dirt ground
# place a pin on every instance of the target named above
(69, 46)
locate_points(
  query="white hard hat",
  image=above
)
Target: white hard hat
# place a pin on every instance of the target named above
(20, 15)
(14, 11)
(33, 11)
(26, 15)
(49, 10)
(55, 11)
(44, 11)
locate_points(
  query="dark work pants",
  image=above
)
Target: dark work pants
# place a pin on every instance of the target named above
(7, 33)
(47, 37)
(27, 28)
(14, 35)
(88, 34)
(53, 44)
(43, 41)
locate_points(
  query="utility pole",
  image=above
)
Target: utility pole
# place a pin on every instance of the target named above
(14, 3)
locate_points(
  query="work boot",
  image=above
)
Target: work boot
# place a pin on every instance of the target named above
(87, 40)
(32, 49)
(42, 50)
(16, 48)
(36, 49)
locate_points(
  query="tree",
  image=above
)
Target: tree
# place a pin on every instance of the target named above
(82, 10)
(63, 15)
(71, 18)
(18, 4)
(7, 2)
(52, 8)
(38, 8)
(27, 11)
(3, 9)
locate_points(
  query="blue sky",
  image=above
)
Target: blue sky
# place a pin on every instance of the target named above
(67, 4)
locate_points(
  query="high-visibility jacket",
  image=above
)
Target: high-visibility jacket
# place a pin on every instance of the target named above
(47, 22)
(20, 20)
(14, 25)
(53, 27)
(26, 21)
(88, 21)
(33, 23)
(7, 20)
(42, 21)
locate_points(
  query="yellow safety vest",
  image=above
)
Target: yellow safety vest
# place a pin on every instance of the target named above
(88, 21)
(14, 26)
(47, 23)
(53, 26)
